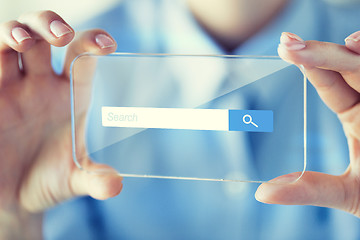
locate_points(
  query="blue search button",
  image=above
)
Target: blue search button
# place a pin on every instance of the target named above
(251, 120)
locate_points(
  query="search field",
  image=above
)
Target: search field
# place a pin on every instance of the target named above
(188, 119)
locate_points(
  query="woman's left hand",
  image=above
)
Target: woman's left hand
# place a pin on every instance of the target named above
(334, 70)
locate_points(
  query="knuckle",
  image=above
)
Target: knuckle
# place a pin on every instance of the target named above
(45, 15)
(92, 33)
(98, 30)
(87, 36)
(351, 198)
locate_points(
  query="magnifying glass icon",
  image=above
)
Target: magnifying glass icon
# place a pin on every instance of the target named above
(247, 116)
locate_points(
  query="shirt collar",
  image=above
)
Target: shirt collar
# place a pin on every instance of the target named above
(298, 16)
(183, 34)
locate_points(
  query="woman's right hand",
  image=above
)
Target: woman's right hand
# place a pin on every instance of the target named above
(36, 166)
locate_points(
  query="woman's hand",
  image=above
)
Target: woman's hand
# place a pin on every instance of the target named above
(334, 70)
(36, 166)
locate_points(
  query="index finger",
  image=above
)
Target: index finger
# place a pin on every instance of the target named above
(331, 68)
(49, 26)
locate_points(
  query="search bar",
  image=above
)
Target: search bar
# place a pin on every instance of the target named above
(188, 119)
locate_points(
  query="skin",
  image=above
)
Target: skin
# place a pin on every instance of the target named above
(334, 70)
(36, 167)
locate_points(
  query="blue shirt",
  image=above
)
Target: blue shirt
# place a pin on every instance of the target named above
(166, 209)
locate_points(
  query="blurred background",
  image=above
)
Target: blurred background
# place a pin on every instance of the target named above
(73, 11)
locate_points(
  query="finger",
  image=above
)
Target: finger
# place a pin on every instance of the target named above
(97, 42)
(352, 42)
(98, 180)
(313, 188)
(333, 89)
(47, 28)
(9, 68)
(331, 86)
(13, 38)
(327, 56)
(94, 41)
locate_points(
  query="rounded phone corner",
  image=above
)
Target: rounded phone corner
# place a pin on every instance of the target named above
(127, 87)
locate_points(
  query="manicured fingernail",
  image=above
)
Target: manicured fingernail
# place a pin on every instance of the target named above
(104, 41)
(19, 34)
(59, 29)
(353, 37)
(291, 41)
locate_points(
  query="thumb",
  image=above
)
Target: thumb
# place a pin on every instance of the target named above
(313, 188)
(94, 41)
(98, 181)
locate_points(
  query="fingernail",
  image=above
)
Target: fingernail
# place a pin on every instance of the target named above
(19, 34)
(59, 29)
(291, 41)
(353, 37)
(104, 41)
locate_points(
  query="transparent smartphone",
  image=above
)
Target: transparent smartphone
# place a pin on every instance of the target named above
(195, 117)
